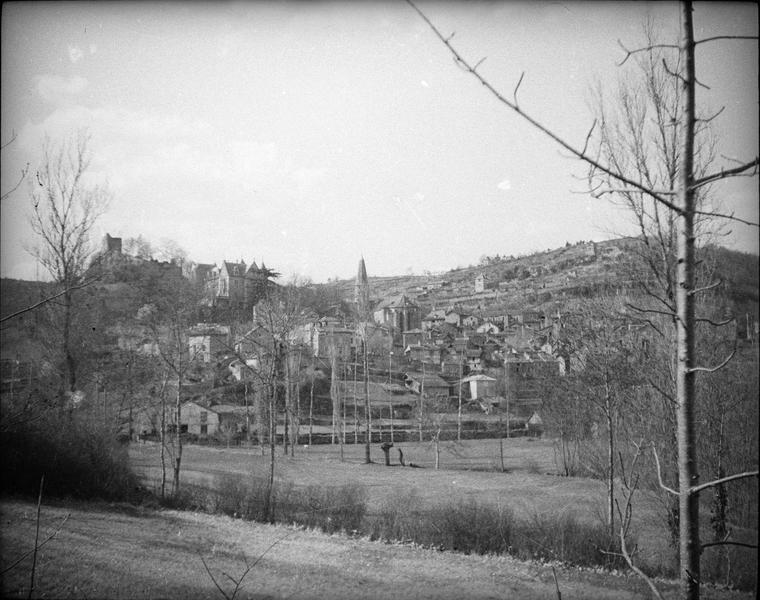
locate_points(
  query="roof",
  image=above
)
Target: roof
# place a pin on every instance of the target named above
(477, 378)
(361, 276)
(208, 329)
(434, 315)
(234, 269)
(429, 379)
(222, 409)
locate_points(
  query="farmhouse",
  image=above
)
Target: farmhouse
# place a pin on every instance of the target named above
(201, 420)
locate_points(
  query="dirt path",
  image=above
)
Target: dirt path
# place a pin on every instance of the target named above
(107, 552)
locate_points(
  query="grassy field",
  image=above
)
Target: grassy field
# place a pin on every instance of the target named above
(125, 552)
(470, 470)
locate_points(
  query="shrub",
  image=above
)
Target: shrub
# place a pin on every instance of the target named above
(565, 538)
(77, 459)
(330, 509)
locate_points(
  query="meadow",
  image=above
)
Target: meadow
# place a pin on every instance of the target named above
(120, 550)
(470, 471)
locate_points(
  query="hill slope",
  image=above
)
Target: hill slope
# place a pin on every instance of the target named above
(103, 552)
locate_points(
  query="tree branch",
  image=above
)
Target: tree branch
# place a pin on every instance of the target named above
(546, 131)
(629, 53)
(724, 173)
(24, 173)
(703, 486)
(712, 369)
(730, 217)
(706, 288)
(659, 473)
(49, 299)
(728, 543)
(725, 37)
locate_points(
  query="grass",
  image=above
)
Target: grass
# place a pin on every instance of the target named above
(103, 552)
(470, 475)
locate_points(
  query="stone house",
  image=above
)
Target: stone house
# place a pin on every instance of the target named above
(429, 384)
(481, 386)
(433, 319)
(412, 337)
(327, 333)
(200, 420)
(427, 353)
(208, 341)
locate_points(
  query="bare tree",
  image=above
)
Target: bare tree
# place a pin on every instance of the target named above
(167, 321)
(22, 175)
(599, 339)
(65, 209)
(683, 208)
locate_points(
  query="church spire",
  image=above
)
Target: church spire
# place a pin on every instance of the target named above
(361, 289)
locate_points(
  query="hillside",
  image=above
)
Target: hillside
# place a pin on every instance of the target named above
(545, 280)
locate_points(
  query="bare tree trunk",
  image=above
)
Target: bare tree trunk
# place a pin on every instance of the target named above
(163, 444)
(421, 406)
(368, 414)
(71, 372)
(311, 402)
(334, 395)
(688, 476)
(501, 453)
(610, 472)
(259, 407)
(356, 406)
(437, 449)
(178, 438)
(459, 409)
(268, 509)
(297, 412)
(285, 432)
(247, 417)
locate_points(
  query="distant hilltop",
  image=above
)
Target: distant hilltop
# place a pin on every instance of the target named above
(543, 280)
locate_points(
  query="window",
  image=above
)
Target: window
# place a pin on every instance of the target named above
(204, 429)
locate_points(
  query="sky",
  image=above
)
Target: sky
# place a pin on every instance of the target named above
(307, 135)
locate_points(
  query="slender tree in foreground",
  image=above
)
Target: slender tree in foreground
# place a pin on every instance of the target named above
(683, 207)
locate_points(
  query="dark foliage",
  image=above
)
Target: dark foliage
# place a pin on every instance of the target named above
(77, 461)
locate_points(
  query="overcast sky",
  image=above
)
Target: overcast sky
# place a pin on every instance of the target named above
(309, 134)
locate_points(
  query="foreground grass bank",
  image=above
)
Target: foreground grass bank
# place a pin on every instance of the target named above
(542, 504)
(123, 552)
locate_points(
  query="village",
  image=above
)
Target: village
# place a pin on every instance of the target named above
(450, 372)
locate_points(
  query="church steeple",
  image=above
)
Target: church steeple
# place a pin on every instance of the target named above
(361, 290)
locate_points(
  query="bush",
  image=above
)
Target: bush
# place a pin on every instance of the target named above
(330, 509)
(77, 460)
(472, 527)
(563, 537)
